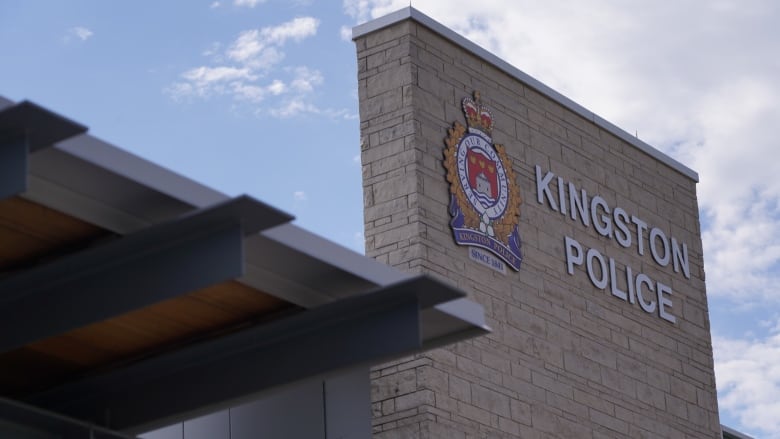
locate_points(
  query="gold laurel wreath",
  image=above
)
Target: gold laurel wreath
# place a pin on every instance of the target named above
(502, 227)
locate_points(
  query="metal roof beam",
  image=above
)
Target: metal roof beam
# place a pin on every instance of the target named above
(24, 129)
(355, 331)
(131, 272)
(13, 167)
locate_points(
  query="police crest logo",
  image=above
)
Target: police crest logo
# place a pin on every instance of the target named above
(484, 196)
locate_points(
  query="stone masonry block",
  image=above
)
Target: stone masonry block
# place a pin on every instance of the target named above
(415, 399)
(393, 385)
(382, 104)
(393, 188)
(493, 401)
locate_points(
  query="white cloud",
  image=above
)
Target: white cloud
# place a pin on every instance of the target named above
(346, 33)
(248, 3)
(277, 87)
(205, 81)
(259, 47)
(246, 46)
(80, 32)
(206, 75)
(296, 30)
(336, 114)
(294, 107)
(215, 5)
(748, 376)
(345, 114)
(254, 55)
(364, 10)
(249, 92)
(213, 51)
(306, 79)
(299, 196)
(299, 105)
(740, 190)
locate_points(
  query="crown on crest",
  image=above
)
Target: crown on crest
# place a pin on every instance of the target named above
(477, 115)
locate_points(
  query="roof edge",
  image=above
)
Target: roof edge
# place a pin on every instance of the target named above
(729, 433)
(449, 34)
(114, 159)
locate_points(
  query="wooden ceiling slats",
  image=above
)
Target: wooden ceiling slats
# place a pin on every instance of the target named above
(30, 233)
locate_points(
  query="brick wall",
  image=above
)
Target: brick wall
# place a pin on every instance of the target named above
(565, 359)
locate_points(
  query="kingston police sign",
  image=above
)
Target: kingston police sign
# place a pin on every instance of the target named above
(627, 230)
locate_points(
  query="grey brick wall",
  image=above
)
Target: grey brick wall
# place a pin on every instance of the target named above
(565, 359)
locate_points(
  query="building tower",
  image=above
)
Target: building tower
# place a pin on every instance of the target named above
(587, 260)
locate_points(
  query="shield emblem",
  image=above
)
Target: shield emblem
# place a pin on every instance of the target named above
(482, 176)
(484, 196)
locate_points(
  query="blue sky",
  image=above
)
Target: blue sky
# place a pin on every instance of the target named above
(260, 97)
(120, 68)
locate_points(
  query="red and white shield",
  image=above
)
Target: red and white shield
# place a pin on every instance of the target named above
(482, 174)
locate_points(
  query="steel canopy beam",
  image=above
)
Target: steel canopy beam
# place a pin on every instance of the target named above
(39, 126)
(359, 330)
(13, 167)
(137, 270)
(26, 128)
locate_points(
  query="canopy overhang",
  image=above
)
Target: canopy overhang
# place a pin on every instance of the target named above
(124, 286)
